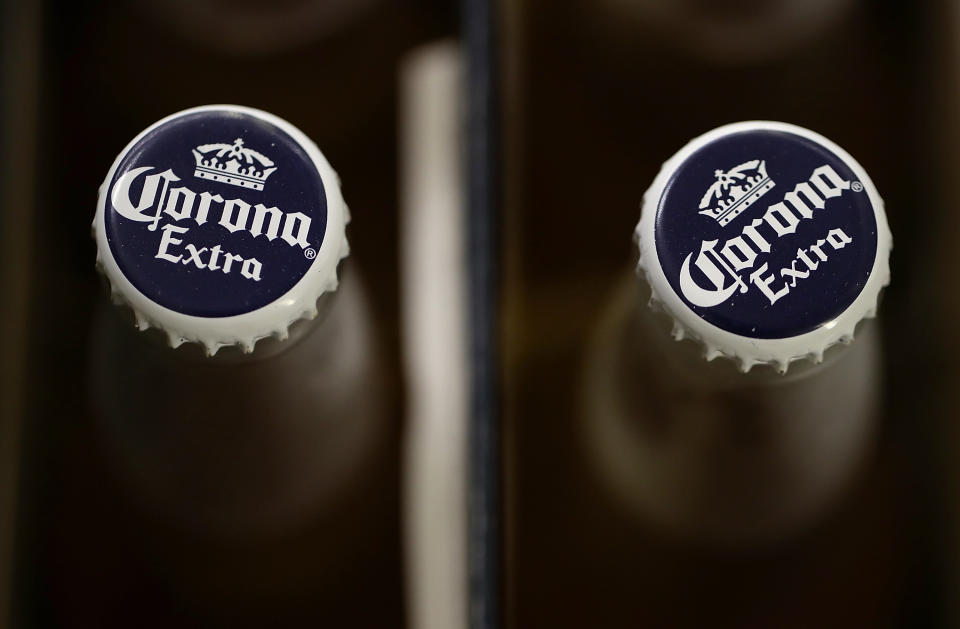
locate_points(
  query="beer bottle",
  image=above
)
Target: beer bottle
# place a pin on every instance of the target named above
(246, 411)
(764, 248)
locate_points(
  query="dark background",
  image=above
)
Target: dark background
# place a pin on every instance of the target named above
(594, 99)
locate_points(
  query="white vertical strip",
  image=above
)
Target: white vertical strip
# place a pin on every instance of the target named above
(434, 276)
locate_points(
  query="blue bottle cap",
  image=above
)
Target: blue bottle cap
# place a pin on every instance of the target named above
(221, 225)
(765, 241)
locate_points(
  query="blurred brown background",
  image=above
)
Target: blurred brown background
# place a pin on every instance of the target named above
(597, 94)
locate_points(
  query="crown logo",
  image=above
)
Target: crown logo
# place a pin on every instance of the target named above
(736, 190)
(232, 164)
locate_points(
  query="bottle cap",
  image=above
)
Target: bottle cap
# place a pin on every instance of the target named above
(765, 241)
(220, 225)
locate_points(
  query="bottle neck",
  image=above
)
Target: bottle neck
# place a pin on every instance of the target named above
(712, 455)
(242, 443)
(156, 344)
(685, 359)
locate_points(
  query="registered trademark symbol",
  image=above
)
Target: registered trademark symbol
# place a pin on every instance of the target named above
(856, 186)
(309, 253)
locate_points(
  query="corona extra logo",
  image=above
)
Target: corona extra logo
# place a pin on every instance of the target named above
(210, 227)
(724, 269)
